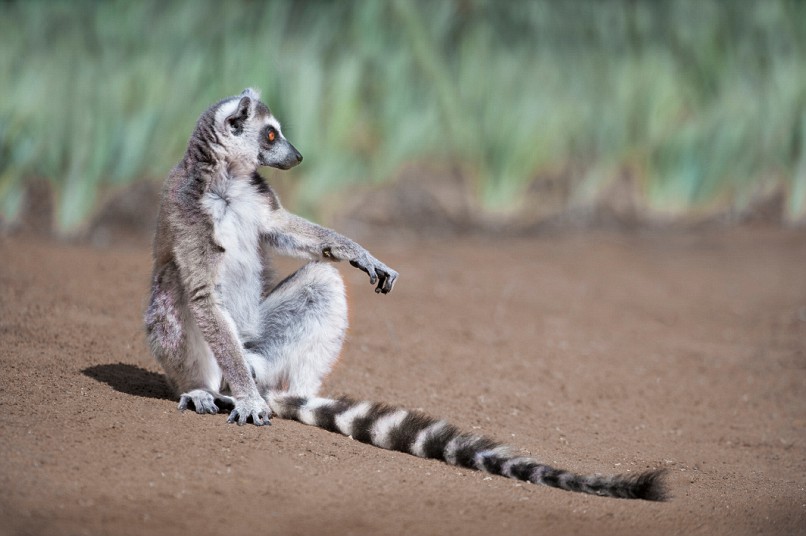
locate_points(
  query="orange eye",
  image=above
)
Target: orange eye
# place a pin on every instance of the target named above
(272, 135)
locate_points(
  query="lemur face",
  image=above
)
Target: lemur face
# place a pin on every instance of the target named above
(250, 131)
(275, 150)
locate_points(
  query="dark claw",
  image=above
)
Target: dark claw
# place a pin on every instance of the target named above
(263, 420)
(386, 283)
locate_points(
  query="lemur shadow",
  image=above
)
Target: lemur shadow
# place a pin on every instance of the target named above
(131, 380)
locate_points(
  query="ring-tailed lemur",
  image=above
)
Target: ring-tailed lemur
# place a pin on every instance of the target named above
(224, 332)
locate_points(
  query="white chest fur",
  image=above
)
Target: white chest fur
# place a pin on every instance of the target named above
(237, 212)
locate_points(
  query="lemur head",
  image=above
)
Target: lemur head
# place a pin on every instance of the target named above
(249, 133)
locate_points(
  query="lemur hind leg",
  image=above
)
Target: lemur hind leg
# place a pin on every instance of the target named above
(304, 320)
(179, 347)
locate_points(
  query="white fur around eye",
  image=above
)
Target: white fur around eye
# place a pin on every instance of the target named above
(272, 122)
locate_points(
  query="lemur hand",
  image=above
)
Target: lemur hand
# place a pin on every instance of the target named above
(250, 407)
(378, 272)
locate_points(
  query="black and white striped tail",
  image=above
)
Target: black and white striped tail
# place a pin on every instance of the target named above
(418, 434)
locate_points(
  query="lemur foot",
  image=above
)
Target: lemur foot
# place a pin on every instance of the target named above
(254, 408)
(204, 401)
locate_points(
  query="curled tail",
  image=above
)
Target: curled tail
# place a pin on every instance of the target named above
(412, 432)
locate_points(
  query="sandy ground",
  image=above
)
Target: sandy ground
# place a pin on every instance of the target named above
(595, 352)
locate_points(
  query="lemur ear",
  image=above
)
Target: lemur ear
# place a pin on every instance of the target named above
(251, 92)
(239, 116)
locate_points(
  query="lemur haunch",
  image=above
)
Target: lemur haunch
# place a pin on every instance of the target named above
(224, 331)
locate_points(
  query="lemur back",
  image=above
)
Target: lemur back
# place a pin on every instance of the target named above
(227, 335)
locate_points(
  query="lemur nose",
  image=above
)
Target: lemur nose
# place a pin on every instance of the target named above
(299, 157)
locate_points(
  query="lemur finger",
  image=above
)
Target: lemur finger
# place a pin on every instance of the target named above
(369, 269)
(183, 403)
(256, 420)
(261, 418)
(390, 282)
(204, 405)
(387, 283)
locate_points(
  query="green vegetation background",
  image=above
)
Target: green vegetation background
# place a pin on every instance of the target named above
(702, 102)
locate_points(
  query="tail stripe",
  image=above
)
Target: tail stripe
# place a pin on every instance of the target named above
(418, 448)
(308, 413)
(450, 450)
(469, 445)
(407, 431)
(404, 437)
(491, 461)
(326, 414)
(362, 426)
(436, 442)
(570, 482)
(524, 469)
(382, 429)
(345, 419)
(550, 477)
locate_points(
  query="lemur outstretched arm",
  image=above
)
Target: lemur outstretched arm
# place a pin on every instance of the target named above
(296, 236)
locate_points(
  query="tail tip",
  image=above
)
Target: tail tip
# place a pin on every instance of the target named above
(651, 486)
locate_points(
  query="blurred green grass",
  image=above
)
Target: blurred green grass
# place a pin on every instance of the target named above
(703, 102)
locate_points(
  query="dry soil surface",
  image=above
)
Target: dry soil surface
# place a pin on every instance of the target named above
(595, 352)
